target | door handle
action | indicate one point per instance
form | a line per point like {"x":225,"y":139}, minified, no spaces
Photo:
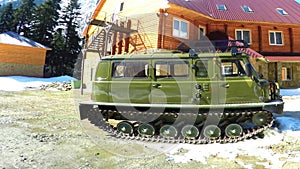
{"x":225,"y":85}
{"x":156,"y":86}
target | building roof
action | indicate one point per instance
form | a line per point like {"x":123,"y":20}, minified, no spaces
{"x":262,"y":10}
{"x":283,"y":58}
{"x":13,"y":38}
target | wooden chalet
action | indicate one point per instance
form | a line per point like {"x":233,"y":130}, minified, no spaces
{"x":271,"y":28}
{"x":20,"y":56}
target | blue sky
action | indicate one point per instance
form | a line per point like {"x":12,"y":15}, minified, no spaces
{"x":298,"y":1}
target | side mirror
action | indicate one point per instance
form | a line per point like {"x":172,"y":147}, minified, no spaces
{"x":194,"y":67}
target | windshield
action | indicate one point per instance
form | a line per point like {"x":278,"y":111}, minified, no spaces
{"x":233,"y":67}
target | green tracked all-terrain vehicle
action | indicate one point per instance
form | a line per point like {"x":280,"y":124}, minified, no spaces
{"x":193,"y":97}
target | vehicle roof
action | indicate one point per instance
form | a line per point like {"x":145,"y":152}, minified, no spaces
{"x":171,"y":55}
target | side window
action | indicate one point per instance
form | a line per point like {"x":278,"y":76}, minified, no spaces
{"x":130,"y":69}
{"x":233,"y":68}
{"x":171,"y":69}
{"x":118,"y":69}
{"x":181,"y":70}
{"x":201,"y":70}
{"x":162,"y":70}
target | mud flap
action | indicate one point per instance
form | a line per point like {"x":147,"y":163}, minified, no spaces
{"x":278,"y":109}
{"x":84,"y":110}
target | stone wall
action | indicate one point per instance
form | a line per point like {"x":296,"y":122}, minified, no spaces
{"x":12,"y":69}
{"x":271,"y":69}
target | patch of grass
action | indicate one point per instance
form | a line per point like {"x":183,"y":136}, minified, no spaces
{"x":38,"y":130}
{"x":252,"y":160}
{"x":33,"y":120}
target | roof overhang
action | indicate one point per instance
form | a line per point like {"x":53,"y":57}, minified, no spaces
{"x":283,"y":58}
{"x":23,"y":46}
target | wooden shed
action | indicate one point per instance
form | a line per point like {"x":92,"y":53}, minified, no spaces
{"x":20,"y":56}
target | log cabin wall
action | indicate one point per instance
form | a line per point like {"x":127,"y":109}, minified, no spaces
{"x":22,"y":60}
{"x":260,"y":35}
{"x":22,"y":55}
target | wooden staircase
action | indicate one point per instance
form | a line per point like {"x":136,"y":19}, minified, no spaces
{"x":98,"y":41}
{"x":100,"y":38}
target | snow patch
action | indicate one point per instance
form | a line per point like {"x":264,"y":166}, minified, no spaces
{"x":290,"y":92}
{"x":19,"y":83}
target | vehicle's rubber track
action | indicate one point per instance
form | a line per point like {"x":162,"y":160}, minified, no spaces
{"x":96,"y":118}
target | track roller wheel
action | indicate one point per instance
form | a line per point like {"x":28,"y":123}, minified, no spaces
{"x":189,"y":131}
{"x":168,"y":131}
{"x":125,"y":127}
{"x":233,"y":130}
{"x":259,"y":119}
{"x":146,"y":130}
{"x":212,"y":131}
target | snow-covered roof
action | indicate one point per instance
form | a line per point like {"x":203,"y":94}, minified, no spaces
{"x":16,"y":39}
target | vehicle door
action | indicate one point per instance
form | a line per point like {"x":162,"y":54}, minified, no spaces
{"x":131,"y":82}
{"x":205,"y":86}
{"x":238,"y":84}
{"x":172,"y":81}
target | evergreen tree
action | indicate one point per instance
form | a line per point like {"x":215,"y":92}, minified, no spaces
{"x":55,"y":56}
{"x":6,"y":18}
{"x":24,"y":16}
{"x":45,"y":21}
{"x":72,"y":46}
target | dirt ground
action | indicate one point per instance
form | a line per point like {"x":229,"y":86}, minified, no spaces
{"x":42,"y":129}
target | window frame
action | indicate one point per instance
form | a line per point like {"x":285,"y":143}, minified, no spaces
{"x":221,"y":7}
{"x":242,"y":35}
{"x":122,"y":6}
{"x":201,"y":34}
{"x":288,"y":72}
{"x":282,"y":12}
{"x":249,"y":10}
{"x":236,"y":67}
{"x":171,"y":69}
{"x":275,"y":37}
{"x":124,"y":74}
{"x":180,"y":32}
{"x":202,"y":72}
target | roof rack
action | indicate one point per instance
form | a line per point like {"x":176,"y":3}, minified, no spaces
{"x":217,"y":46}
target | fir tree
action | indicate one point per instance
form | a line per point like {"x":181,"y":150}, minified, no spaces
{"x":72,"y":46}
{"x":24,"y":16}
{"x":6,"y":18}
{"x":54,"y":57}
{"x":45,"y":21}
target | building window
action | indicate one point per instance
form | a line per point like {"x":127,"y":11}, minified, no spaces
{"x":247,"y":9}
{"x":180,"y":29}
{"x":281,"y":11}
{"x":243,"y":35}
{"x":121,"y":6}
{"x":201,"y":32}
{"x":275,"y":38}
{"x":286,"y":73}
{"x":221,"y":7}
